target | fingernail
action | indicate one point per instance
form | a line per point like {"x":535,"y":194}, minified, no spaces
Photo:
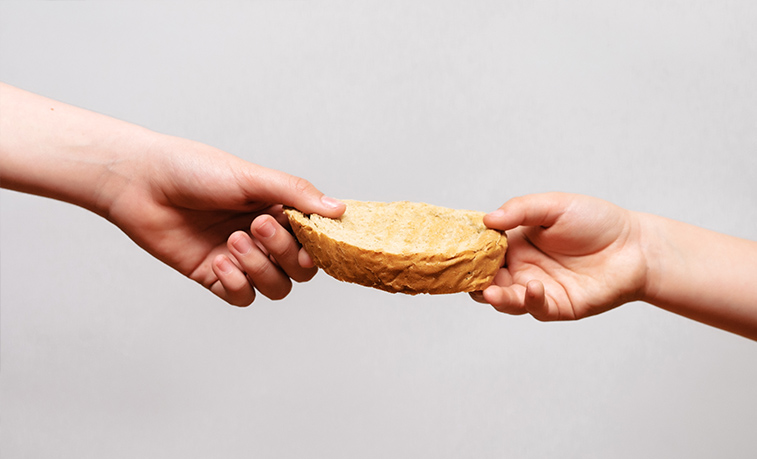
{"x":242,"y":244}
{"x":266,"y":230}
{"x":499,"y":213}
{"x":331,"y":202}
{"x":224,"y":265}
{"x":304,"y":259}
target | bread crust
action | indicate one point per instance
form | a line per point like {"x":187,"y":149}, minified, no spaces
{"x":456,"y":269}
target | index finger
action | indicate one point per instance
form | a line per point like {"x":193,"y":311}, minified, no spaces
{"x":270,"y":185}
{"x":283,"y":247}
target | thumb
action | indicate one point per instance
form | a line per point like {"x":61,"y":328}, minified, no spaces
{"x":531,"y":210}
{"x":276,"y":187}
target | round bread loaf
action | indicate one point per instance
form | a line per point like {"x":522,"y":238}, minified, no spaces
{"x":403,"y":247}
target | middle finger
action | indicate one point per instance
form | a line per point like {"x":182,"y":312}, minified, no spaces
{"x":282,"y":246}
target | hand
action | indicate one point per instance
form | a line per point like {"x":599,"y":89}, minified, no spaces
{"x":569,"y":257}
{"x":178,"y":199}
{"x":216,"y":218}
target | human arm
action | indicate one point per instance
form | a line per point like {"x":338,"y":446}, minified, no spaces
{"x":701,"y":274}
{"x":188,"y":204}
{"x":573,"y":256}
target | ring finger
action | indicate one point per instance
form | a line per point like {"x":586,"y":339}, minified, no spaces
{"x":264,"y":274}
{"x":283,"y":247}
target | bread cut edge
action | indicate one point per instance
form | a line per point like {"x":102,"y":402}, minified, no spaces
{"x":431,"y":273}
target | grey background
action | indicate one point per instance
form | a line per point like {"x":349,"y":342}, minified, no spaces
{"x":105,"y":352}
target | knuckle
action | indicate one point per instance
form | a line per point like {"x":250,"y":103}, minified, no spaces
{"x":285,"y":250}
{"x":300,"y":185}
{"x":257,"y":267}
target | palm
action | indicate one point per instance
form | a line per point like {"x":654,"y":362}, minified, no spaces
{"x":579,"y":285}
{"x":188,"y":240}
{"x":183,"y":238}
{"x":587,"y":260}
{"x":186,"y":219}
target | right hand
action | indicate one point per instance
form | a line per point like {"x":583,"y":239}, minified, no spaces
{"x":568,"y":257}
{"x":218,"y":219}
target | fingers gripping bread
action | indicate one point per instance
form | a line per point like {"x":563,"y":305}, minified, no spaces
{"x":403,"y":247}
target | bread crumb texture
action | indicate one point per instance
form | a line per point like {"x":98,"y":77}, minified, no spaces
{"x":403,"y":247}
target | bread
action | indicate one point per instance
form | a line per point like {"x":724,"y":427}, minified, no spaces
{"x":403,"y":247}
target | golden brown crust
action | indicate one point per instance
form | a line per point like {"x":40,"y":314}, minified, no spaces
{"x":464,"y":268}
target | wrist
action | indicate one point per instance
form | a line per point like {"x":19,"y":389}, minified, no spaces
{"x":652,"y":253}
{"x":121,"y":156}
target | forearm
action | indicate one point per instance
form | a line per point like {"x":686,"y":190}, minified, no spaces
{"x":52,"y":149}
{"x":704,"y":275}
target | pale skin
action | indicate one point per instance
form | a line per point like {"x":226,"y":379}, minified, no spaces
{"x":217,"y":219}
{"x":208,"y":214}
{"x":574,"y":256}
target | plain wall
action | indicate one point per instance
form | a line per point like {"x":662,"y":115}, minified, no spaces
{"x":105,"y":352}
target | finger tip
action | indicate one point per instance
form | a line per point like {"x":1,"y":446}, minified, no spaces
{"x":304,"y":259}
{"x":264,"y":226}
{"x":534,"y":289}
{"x":477,"y":296}
{"x":492,"y":295}
{"x":496,"y":214}
{"x":236,"y":236}
{"x":535,"y":300}
{"x":497,"y":219}
{"x":281,"y":294}
{"x":222,"y":263}
{"x":332,"y":207}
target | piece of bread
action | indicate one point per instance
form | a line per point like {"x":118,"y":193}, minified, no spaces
{"x":403,"y":247}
